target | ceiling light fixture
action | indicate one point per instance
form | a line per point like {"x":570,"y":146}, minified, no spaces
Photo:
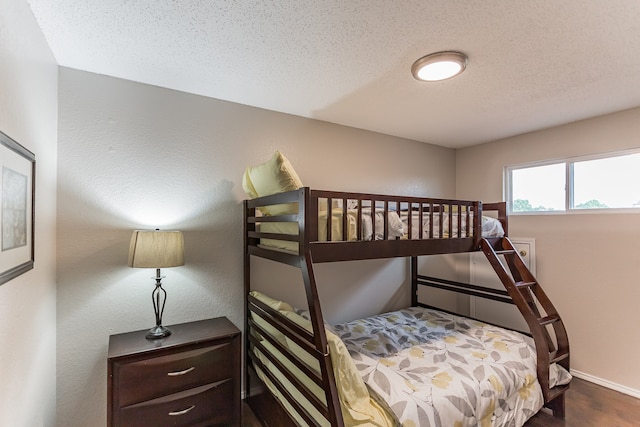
{"x":439,"y":66}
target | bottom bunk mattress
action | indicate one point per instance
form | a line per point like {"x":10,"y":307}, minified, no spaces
{"x":437,"y":369}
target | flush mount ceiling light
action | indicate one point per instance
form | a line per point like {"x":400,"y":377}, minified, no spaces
{"x":439,"y":66}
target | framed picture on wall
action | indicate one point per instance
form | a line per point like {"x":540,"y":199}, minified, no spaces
{"x":17,"y":188}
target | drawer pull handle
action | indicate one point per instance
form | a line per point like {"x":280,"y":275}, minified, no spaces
{"x":178,"y":373}
{"x":184,"y":411}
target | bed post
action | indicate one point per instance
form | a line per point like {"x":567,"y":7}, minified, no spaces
{"x":414,"y":281}
{"x":477,"y":225}
{"x":247,"y":288}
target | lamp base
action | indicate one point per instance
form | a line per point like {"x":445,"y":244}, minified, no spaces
{"x":157,"y":332}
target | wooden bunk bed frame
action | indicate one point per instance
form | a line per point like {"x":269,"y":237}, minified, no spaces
{"x":522,"y":289}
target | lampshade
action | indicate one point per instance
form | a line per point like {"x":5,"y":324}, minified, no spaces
{"x":156,"y":249}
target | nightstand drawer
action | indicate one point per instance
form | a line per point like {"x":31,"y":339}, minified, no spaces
{"x":160,"y":376}
{"x":205,"y":405}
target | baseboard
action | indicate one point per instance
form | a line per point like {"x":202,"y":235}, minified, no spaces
{"x":605,"y":383}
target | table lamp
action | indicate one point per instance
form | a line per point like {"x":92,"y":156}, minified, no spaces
{"x":157,"y":249}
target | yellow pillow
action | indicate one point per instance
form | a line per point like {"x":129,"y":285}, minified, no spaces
{"x":276,"y":175}
{"x":358,"y":407}
{"x":276,"y":305}
{"x":273,"y":303}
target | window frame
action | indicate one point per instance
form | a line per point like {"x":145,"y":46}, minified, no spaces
{"x":569,"y":183}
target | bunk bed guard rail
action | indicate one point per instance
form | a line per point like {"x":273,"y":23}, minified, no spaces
{"x":336,"y":226}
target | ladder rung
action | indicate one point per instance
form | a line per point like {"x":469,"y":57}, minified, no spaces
{"x":555,"y":357}
{"x":548,"y":320}
{"x":525,"y":284}
{"x":505,"y":252}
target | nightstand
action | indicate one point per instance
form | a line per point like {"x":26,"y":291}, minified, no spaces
{"x":190,"y":378}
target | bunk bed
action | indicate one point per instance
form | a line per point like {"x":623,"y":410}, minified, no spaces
{"x":302,"y":371}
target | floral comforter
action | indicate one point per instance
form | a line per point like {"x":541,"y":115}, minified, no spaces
{"x":436,"y":369}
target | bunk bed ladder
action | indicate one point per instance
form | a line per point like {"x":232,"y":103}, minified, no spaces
{"x":539,"y":313}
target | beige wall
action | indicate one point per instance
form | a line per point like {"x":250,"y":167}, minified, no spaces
{"x":136,"y":156}
{"x":587,"y":263}
{"x":28,"y":114}
{"x":139,"y":156}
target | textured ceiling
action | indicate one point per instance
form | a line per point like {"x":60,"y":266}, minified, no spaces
{"x":532,"y":64}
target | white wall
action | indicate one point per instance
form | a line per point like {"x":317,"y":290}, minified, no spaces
{"x":587,"y":263}
{"x":136,"y":156}
{"x":28,"y":114}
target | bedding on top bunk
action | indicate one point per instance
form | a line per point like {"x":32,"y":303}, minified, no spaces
{"x":491,"y":227}
{"x":277,"y":175}
{"x":438,"y":369}
{"x":397,"y":227}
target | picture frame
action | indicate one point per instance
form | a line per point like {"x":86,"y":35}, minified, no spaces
{"x":17,"y":208}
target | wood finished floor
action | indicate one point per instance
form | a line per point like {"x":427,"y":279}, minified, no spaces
{"x":587,"y":405}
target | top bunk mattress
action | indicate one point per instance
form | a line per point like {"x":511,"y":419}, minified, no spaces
{"x":373,"y":226}
{"x":447,"y":227}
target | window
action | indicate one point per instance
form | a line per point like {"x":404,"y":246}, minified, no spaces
{"x":606,"y":182}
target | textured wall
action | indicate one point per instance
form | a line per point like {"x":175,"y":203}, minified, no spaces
{"x":586,"y":262}
{"x":136,"y":156}
{"x":28,"y":114}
